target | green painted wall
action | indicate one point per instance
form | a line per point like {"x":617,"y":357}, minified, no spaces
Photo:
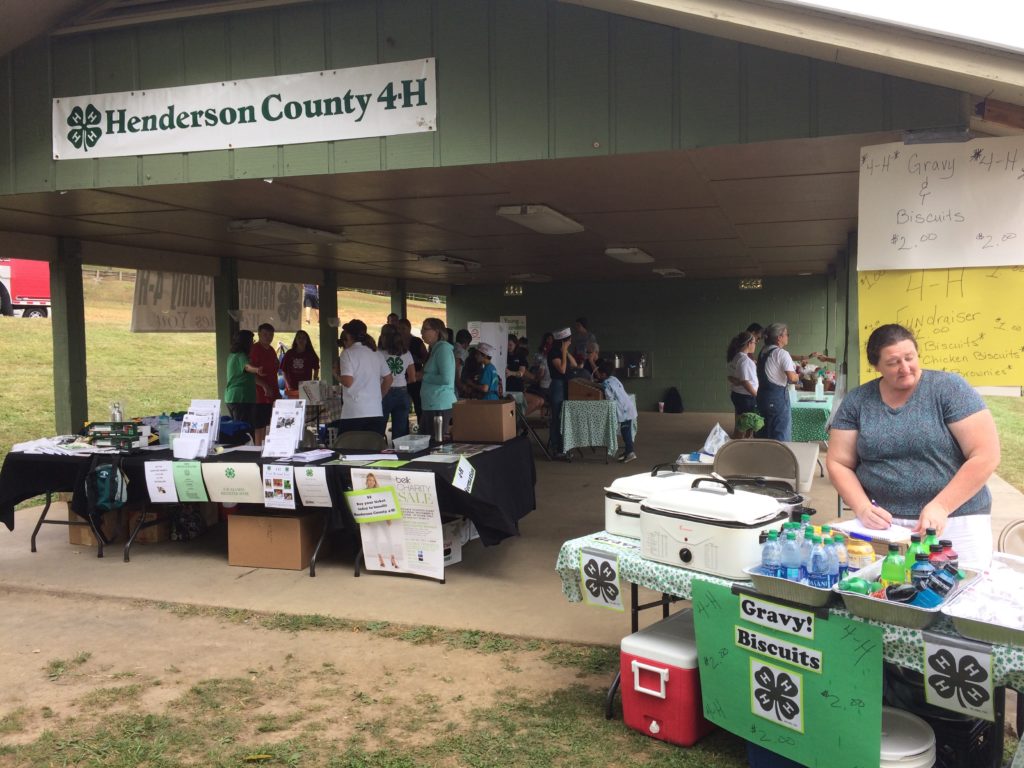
{"x":684,"y":325}
{"x":517,"y":79}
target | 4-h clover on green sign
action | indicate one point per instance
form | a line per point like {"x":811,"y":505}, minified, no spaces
{"x":85,"y":127}
{"x":229,"y":472}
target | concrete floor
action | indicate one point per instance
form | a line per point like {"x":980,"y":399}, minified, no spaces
{"x":511,"y":588}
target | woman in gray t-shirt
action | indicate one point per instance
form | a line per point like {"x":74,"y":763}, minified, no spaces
{"x":916,"y":447}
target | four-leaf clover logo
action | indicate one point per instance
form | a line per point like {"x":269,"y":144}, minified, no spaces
{"x":85,"y":127}
{"x":600,"y":581}
{"x":960,"y":680}
{"x":309,"y":472}
{"x":396,"y":365}
{"x":778,"y":693}
{"x":229,"y":473}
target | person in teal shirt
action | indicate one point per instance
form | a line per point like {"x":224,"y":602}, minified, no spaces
{"x":438,"y":391}
{"x":489,"y":384}
{"x":240,"y":390}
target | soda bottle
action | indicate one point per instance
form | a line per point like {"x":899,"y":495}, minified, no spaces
{"x":936,"y":555}
{"x":921,"y":571}
{"x":841,"y":555}
{"x":930,"y":537}
{"x":771,"y":555}
{"x":791,"y":558}
{"x":951,"y":556}
{"x":833,"y":561}
{"x":894,"y":567}
{"x":911,"y":556}
{"x":817,"y":565}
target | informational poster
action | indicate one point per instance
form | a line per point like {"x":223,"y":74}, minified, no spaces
{"x":312,"y":486}
{"x":412,"y":543}
{"x":599,"y":577}
{"x":233,"y":483}
{"x":935,"y":206}
{"x":969,"y":321}
{"x":516,"y":324}
{"x":798,"y":683}
{"x":279,"y":486}
{"x":160,"y":482}
{"x":958,"y":675}
{"x":188,"y":481}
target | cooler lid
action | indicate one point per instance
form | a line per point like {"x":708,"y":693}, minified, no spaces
{"x":904,"y":736}
{"x":645,"y":484}
{"x":715,"y":501}
{"x":669,"y":641}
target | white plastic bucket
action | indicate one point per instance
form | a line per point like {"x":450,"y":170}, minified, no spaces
{"x":907,"y":740}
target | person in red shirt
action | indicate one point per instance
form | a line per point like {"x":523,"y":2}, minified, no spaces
{"x":263,"y":356}
{"x":300,"y":363}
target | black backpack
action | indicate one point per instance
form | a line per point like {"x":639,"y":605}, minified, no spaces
{"x":673,"y":401}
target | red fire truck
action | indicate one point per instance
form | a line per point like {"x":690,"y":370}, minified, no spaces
{"x":24,"y":287}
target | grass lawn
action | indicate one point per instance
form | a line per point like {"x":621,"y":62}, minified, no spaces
{"x":146,"y":372}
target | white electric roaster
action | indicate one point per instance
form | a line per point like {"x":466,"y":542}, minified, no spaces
{"x":622,"y":498}
{"x":711,"y":527}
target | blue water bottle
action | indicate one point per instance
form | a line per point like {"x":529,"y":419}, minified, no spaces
{"x":791,"y":563}
{"x":771,"y":555}
{"x":817,"y":565}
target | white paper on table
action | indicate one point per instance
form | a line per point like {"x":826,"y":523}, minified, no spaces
{"x":438,"y":458}
{"x":367,"y":456}
{"x":279,"y":486}
{"x":160,"y":482}
{"x":896,"y":533}
{"x":279,"y":447}
{"x":253,"y":448}
{"x":230,"y":483}
{"x":315,"y":455}
{"x":465,"y":474}
{"x":188,"y":447}
{"x":312,"y":485}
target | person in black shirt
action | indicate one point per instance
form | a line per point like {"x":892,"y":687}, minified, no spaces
{"x":560,"y":363}
{"x":419,"y":353}
{"x":516,"y":368}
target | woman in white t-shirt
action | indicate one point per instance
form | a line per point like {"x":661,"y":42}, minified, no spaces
{"x":742,"y":377}
{"x":397,"y":404}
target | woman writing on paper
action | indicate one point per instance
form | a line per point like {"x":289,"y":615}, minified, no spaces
{"x":915,"y":448}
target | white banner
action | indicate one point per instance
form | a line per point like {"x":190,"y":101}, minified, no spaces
{"x":378,"y":100}
{"x":174,"y":302}
{"x":935,"y":206}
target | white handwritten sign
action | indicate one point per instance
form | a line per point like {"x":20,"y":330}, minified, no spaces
{"x":928,"y":206}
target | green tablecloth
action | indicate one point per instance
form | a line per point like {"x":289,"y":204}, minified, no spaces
{"x":589,"y":423}
{"x":810,"y":419}
{"x":902,"y":646}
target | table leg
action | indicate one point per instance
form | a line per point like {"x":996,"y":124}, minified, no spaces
{"x":609,"y":701}
{"x":320,"y":543}
{"x":42,"y":519}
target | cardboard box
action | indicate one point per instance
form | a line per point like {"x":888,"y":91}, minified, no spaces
{"x":483,"y":421}
{"x":152,"y":534}
{"x":81,"y":535}
{"x":268,"y":540}
{"x":581,"y":389}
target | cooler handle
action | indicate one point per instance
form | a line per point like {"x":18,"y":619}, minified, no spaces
{"x":715,"y":480}
{"x":659,"y":671}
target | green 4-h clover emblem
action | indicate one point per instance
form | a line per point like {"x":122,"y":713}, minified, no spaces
{"x":396,"y":365}
{"x":309,"y":472}
{"x":85,"y":127}
{"x":229,"y":473}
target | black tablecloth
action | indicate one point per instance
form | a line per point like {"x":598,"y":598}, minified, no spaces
{"x":503,"y":491}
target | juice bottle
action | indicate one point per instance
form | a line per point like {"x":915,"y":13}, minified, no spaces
{"x":930,"y":537}
{"x":894,"y":567}
{"x":912,"y":550}
{"x":921,"y":571}
{"x":860,"y":554}
{"x":936,"y":555}
{"x":951,"y":556}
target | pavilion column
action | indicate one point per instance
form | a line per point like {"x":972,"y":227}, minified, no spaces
{"x":399,"y":302}
{"x":70,"y":394}
{"x":328,"y":332}
{"x":225,"y":316}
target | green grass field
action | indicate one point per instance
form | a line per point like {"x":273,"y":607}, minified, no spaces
{"x":146,"y":372}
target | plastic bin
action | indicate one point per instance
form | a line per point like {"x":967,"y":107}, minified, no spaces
{"x":661,"y":684}
{"x":411,"y":443}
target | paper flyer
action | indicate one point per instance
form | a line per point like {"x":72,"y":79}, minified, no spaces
{"x":287,"y":421}
{"x":279,"y":486}
{"x":188,"y":481}
{"x":465,"y":474}
{"x":160,"y":482}
{"x":312,"y":485}
{"x":233,"y":483}
{"x":411,"y":544}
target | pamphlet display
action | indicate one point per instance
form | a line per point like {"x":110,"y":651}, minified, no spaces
{"x":231,"y":483}
{"x":160,"y":482}
{"x":287,"y":421}
{"x":279,"y":486}
{"x":200,"y":429}
{"x":797,"y":682}
{"x":400,"y":521}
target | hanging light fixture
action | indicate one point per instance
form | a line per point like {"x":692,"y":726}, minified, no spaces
{"x":513,"y":289}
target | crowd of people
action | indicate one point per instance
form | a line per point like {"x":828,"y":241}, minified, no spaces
{"x":396,"y":374}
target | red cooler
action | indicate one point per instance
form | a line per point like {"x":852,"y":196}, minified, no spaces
{"x":661,"y":684}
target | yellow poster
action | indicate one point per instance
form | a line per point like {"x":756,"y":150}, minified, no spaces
{"x":967,"y":320}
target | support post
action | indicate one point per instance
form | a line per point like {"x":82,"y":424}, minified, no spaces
{"x":399,"y":301}
{"x":70,"y":393}
{"x":225,"y":312}
{"x":328,"y":332}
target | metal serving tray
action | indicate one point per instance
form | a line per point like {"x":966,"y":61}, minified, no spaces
{"x":977,"y":629}
{"x":898,"y":614}
{"x":792,"y":591}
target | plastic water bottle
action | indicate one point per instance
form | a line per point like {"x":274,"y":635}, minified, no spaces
{"x":164,"y":428}
{"x":805,"y":551}
{"x":833,"y":561}
{"x":791,"y":563}
{"x":841,"y":555}
{"x":771,"y":555}
{"x":817,"y":566}
{"x":819,"y":387}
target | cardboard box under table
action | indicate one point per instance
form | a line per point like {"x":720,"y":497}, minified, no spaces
{"x":660,"y":682}
{"x":483,"y":421}
{"x":268,"y":540}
